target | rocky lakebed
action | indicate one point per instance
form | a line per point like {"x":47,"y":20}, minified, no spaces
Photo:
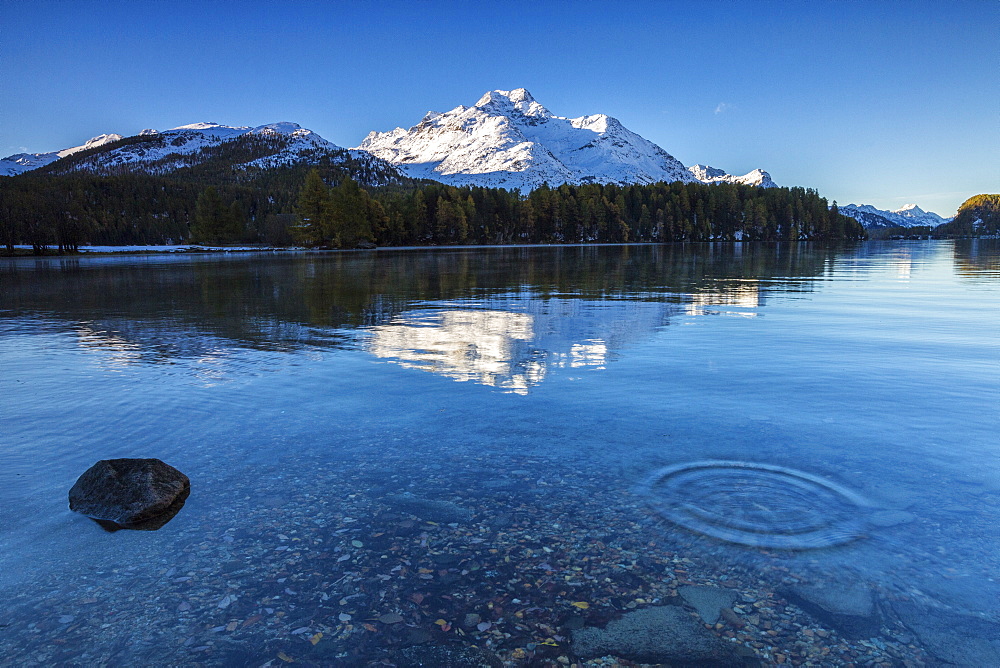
{"x":468,"y":561}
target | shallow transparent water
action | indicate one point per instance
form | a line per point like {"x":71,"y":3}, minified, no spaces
{"x":533,"y":394}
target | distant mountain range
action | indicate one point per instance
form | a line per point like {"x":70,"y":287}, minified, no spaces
{"x":507,"y":139}
{"x":909,"y":215}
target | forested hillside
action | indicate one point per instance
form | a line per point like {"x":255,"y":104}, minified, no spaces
{"x":87,"y":198}
{"x":342,"y":201}
{"x":978,"y":216}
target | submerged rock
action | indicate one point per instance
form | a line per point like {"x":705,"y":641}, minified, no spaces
{"x":445,"y":656}
{"x":434,"y":510}
{"x":664,"y":634}
{"x":708,"y":602}
{"x":130,"y":493}
{"x":849,"y":608}
{"x":962,"y":640}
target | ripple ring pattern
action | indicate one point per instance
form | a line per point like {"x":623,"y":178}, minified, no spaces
{"x":756,"y":504}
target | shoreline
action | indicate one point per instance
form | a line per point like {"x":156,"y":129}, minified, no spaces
{"x":97,"y":251}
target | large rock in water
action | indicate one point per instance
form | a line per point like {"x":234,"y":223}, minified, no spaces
{"x":848,"y":607}
{"x":129,"y":492}
{"x":953,"y":639}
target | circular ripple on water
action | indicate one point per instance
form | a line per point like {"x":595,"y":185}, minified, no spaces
{"x":756,"y":504}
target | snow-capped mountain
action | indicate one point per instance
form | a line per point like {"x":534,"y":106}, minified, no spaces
{"x":914,"y":213}
{"x":507,"y":139}
{"x":166,"y":151}
{"x":25,"y":162}
{"x":910,"y":215}
{"x":245,"y":147}
{"x":757,"y":177}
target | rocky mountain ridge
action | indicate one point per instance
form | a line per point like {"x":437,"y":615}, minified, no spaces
{"x":757,"y":177}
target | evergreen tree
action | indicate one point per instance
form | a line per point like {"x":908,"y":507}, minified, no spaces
{"x":350,"y":213}
{"x":315,"y":211}
{"x":211,"y":224}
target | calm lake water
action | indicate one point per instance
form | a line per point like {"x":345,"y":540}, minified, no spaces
{"x":402,"y":449}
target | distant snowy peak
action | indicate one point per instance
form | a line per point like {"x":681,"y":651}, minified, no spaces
{"x":915,"y":213}
{"x":508,"y":139}
{"x":706,"y":173}
{"x":757,"y":177}
{"x":909,"y":215}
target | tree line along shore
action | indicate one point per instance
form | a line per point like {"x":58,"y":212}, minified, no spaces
{"x":327,"y":207}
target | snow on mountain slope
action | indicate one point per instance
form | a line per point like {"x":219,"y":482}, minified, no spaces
{"x":757,"y":177}
{"x":909,"y":215}
{"x":172,"y":149}
{"x":25,"y":162}
{"x":509,"y":140}
{"x":160,"y":152}
{"x":919,"y":216}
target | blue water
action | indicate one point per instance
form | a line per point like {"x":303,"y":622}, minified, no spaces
{"x":307,"y":396}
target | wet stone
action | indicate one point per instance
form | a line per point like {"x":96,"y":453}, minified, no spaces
{"x":708,"y":602}
{"x":129,"y":492}
{"x":849,"y":608}
{"x":429,"y":509}
{"x":962,"y":640}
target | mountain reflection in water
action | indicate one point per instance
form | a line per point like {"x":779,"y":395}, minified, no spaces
{"x":510,"y":350}
{"x":504,"y":321}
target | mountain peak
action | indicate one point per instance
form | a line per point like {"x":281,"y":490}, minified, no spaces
{"x":282,"y":128}
{"x":757,"y":177}
{"x":101,"y":140}
{"x":503,"y":102}
{"x":508,"y":140}
{"x":704,"y":172}
{"x":93,"y":142}
{"x":204,"y":125}
{"x":910,"y":210}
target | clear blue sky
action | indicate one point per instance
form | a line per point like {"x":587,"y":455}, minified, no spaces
{"x":868,"y":102}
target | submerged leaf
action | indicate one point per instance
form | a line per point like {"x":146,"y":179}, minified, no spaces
{"x":391,"y":618}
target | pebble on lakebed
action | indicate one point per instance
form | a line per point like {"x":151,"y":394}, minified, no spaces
{"x":130,"y":493}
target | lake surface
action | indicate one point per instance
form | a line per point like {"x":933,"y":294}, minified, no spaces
{"x":404,"y":449}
